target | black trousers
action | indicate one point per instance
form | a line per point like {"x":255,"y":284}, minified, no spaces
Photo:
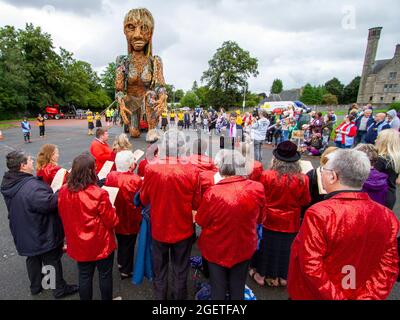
{"x":86,"y":273}
{"x":27,"y":136}
{"x":230,"y":281}
{"x":180,"y":254}
{"x":270,"y":135}
{"x":126,"y":252}
{"x":34,"y":266}
{"x":41,"y":131}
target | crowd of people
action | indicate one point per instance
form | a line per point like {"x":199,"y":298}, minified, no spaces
{"x":275,"y":224}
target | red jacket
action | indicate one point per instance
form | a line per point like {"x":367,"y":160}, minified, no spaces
{"x":257,"y":171}
{"x":343,"y":126}
{"x":129,"y":216}
{"x":89,"y":221}
{"x":349,"y":229}
{"x":48,"y":172}
{"x":228,"y":214}
{"x":284,"y":199}
{"x":170,"y":187}
{"x":102,"y":153}
{"x":141,"y":168}
{"x":206,"y":180}
{"x":203,"y":163}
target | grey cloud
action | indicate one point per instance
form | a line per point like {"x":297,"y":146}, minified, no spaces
{"x":76,"y":6}
{"x":311,"y":35}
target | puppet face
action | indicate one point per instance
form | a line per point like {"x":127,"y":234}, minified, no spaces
{"x":138,"y":34}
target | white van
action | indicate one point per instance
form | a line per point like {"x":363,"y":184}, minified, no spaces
{"x":280,"y":106}
{"x":277,"y":106}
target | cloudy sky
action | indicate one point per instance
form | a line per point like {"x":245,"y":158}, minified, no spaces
{"x":297,"y":41}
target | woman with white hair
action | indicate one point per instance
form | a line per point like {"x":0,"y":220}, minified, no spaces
{"x":388,"y":146}
{"x":128,"y":214}
{"x":228,"y":215}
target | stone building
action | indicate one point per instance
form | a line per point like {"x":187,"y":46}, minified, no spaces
{"x":380,"y":80}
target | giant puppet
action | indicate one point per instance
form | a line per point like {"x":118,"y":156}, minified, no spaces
{"x":139,"y":84}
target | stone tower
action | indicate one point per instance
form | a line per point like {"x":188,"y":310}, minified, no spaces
{"x":370,"y":56}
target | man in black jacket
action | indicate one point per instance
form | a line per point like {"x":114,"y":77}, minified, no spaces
{"x":35,"y":225}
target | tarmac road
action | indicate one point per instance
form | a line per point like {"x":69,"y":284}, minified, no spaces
{"x":70,"y":136}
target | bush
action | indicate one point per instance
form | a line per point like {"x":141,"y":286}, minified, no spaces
{"x":395,"y":106}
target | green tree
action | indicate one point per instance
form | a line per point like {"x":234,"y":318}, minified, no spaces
{"x":190,"y":99}
{"x":14,"y":82}
{"x":170,"y":89}
{"x":329,"y":99}
{"x":179,"y":95}
{"x":277,"y":86}
{"x":252,"y":100}
{"x":335,"y":87}
{"x":43,"y":65}
{"x":395,"y":106}
{"x":32,"y":74}
{"x":350,"y":92}
{"x":195,"y":86}
{"x":203,"y":94}
{"x":108,"y":80}
{"x":228,"y":72}
{"x":313,"y":95}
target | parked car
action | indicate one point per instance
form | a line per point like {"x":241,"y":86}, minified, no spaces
{"x":301,"y":105}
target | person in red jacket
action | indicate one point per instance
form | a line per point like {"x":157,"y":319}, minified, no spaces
{"x":199,"y":157}
{"x":89,"y":221}
{"x":286,"y":191}
{"x":169,"y":186}
{"x":129,"y":216}
{"x":100,"y":150}
{"x":47,"y":163}
{"x":151,"y":155}
{"x":346,"y":133}
{"x":346,"y":247}
{"x":228,"y":215}
{"x":255,"y":168}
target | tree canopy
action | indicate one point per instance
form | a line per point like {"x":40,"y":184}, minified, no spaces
{"x":33,"y":75}
{"x":227,"y":74}
{"x":190,"y":99}
{"x":277,"y":86}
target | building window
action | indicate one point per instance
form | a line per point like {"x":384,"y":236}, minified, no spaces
{"x":370,"y":98}
{"x":392,"y":76}
{"x":381,"y":99}
{"x":395,"y":88}
{"x":394,"y":99}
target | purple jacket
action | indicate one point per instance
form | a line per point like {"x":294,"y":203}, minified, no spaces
{"x":376,"y":186}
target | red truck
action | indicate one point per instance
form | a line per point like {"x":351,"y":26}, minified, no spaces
{"x":56,"y":112}
{"x":53,"y":112}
